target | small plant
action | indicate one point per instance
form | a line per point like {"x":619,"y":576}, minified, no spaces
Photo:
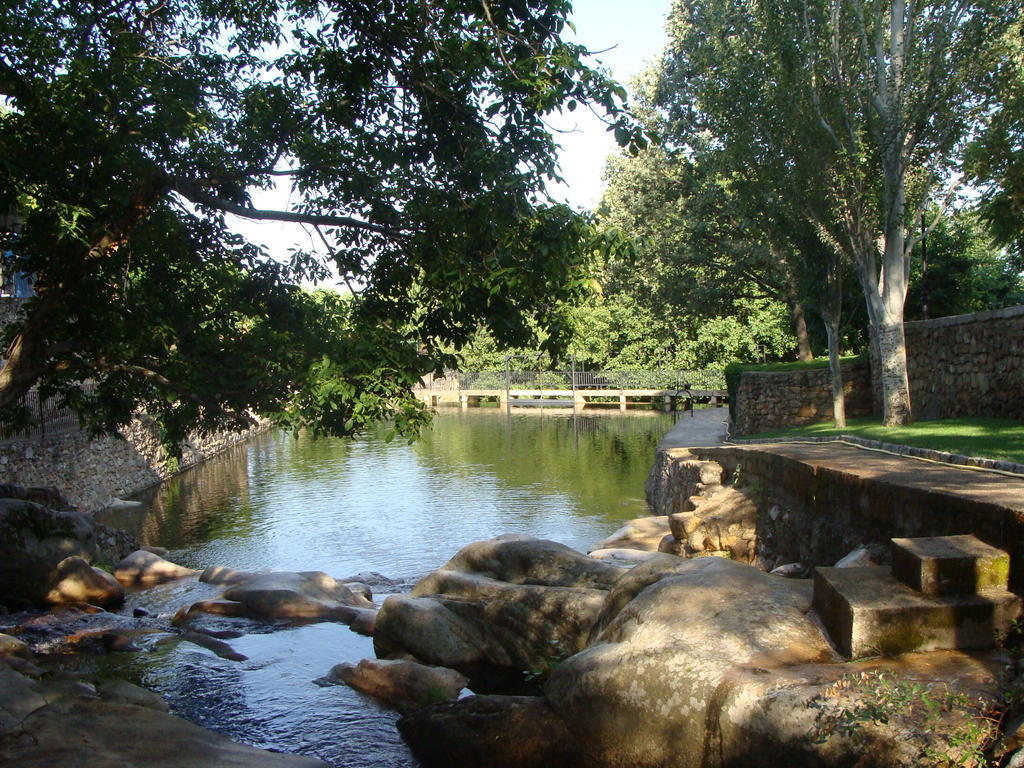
{"x":955,"y":730}
{"x":536,"y":675}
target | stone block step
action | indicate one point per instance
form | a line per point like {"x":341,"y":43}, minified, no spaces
{"x":867,"y":611}
{"x":949,"y":565}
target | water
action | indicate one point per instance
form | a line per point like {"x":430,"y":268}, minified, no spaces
{"x":349,"y":507}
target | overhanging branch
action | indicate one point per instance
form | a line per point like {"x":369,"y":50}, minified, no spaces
{"x":199,"y":196}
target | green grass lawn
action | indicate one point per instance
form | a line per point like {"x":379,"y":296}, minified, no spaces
{"x":796,"y":365}
{"x":984,"y":438}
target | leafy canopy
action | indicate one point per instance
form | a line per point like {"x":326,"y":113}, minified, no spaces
{"x":413,"y":140}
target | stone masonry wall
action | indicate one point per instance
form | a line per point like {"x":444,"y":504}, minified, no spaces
{"x":90,"y":472}
{"x":967,"y":365}
{"x":814,"y":515}
{"x":773,"y":400}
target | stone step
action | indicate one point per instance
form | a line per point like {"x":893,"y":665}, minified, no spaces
{"x":950,"y":565}
{"x":868,"y":611}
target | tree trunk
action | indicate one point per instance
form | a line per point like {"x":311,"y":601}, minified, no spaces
{"x":892,"y":350}
{"x":838,"y":396}
{"x":796,"y":309}
{"x":26,"y":357}
{"x":803,"y":340}
{"x":892,"y":346}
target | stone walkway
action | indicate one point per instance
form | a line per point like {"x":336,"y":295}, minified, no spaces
{"x":705,"y":426}
{"x":979,"y":485}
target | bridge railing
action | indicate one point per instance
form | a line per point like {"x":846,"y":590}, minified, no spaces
{"x":567,"y":379}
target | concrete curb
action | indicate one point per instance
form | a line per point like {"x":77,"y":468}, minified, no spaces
{"x":908,"y":451}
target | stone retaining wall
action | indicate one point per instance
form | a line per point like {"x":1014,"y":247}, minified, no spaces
{"x":815,"y":515}
{"x":967,"y":365}
{"x":766,"y":400}
{"x":90,"y":472}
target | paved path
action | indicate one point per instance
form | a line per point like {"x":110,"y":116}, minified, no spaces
{"x":979,"y":485}
{"x":704,"y":426}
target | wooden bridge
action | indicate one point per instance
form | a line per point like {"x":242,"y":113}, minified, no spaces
{"x":576,"y":388}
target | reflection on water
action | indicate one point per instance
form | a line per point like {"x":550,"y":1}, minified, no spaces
{"x":347,"y":507}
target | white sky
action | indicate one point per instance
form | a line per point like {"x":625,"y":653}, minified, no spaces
{"x":633,"y":35}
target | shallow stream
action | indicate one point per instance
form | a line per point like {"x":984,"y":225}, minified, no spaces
{"x":353,"y":507}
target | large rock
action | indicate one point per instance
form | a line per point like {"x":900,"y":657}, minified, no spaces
{"x":677,"y":476}
{"x":490,"y":732}
{"x":518,"y":559}
{"x":724,"y":521}
{"x":49,"y":497}
{"x":712,"y":663}
{"x":79,"y":582}
{"x":68,"y":722}
{"x":144,"y":569}
{"x":624,"y":557}
{"x":643,"y":533}
{"x":404,"y":685}
{"x":499,"y":607}
{"x":33,"y":541}
{"x":304,"y":595}
{"x":665,"y":650}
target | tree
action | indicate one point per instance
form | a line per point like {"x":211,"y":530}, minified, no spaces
{"x":699,"y":255}
{"x":897,"y":87}
{"x":996,"y":157}
{"x":961,"y":270}
{"x":412,"y":137}
{"x":860,"y":107}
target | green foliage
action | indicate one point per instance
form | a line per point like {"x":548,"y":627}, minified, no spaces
{"x":414,"y":142}
{"x":704,"y":287}
{"x":995,"y":159}
{"x":954,"y":729}
{"x":796,"y":365}
{"x":966,"y":271}
{"x":831,"y":125}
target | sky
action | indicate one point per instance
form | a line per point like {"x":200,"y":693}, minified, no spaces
{"x":629,"y":35}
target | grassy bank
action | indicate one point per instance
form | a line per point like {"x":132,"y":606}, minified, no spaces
{"x":987,"y":438}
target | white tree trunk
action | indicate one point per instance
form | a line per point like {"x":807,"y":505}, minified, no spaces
{"x":838,"y":396}
{"x":892,"y":349}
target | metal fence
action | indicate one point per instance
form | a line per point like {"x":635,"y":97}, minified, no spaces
{"x":569,"y":379}
{"x":50,"y":419}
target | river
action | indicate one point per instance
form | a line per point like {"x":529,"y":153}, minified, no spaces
{"x":347,"y":507}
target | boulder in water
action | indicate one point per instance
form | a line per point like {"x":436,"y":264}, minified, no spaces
{"x":491,"y":732}
{"x":497,"y":609}
{"x":79,"y":582}
{"x":303,"y":595}
{"x":144,"y":569}
{"x":225,"y":577}
{"x":33,"y":541}
{"x":643,"y":533}
{"x":399,"y":683}
{"x":67,"y":722}
{"x":624,"y":557}
{"x":12,"y":646}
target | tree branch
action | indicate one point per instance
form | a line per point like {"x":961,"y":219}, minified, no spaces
{"x":193,"y":193}
{"x":166,"y":384}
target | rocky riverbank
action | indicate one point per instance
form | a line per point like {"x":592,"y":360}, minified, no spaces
{"x":693,"y":655}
